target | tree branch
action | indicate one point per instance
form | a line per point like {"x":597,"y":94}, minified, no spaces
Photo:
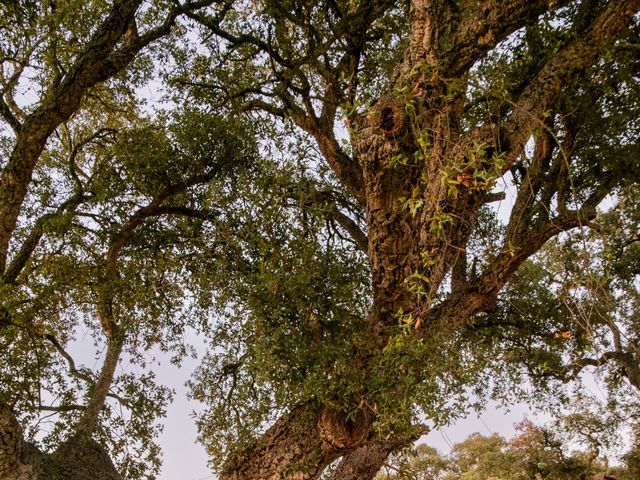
{"x":116,"y":335}
{"x":542,"y":92}
{"x":487,"y":23}
{"x":327,"y":201}
{"x":57,"y":106}
{"x":24,"y":253}
{"x":61,"y":408}
{"x":8,"y":116}
{"x":366,"y":461}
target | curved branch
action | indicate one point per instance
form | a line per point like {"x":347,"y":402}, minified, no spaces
{"x":628,"y":363}
{"x":543,"y":91}
{"x":326,"y":200}
{"x":90,"y":68}
{"x":489,"y":22}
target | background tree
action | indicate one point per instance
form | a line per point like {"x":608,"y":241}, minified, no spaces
{"x":533,"y":453}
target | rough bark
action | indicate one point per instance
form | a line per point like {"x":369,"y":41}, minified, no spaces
{"x":79,"y":458}
{"x":299,"y":446}
{"x":366,"y":461}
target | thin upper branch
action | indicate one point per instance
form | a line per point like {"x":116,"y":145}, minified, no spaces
{"x":349,"y":225}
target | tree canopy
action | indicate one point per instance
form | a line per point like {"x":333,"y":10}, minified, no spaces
{"x":534,"y":452}
{"x":376,"y":214}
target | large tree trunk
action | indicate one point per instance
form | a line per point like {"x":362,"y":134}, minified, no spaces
{"x":79,"y":458}
{"x":299,"y":446}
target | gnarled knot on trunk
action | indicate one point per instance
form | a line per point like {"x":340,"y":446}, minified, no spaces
{"x":341,"y":431}
{"x":389,"y":117}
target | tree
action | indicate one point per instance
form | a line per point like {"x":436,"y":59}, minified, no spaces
{"x":420,"y":463}
{"x":358,"y":276}
{"x":534,"y":453}
{"x":442,"y":101}
{"x":79,"y":234}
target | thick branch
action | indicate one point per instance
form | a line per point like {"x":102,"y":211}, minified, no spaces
{"x":480,"y":295}
{"x":89,"y":419}
{"x":57,"y":106}
{"x":543,"y":91}
{"x":487,"y":23}
{"x":8,"y":116}
{"x":293,"y":447}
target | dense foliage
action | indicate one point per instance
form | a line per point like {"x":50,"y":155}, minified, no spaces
{"x":377,"y":215}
